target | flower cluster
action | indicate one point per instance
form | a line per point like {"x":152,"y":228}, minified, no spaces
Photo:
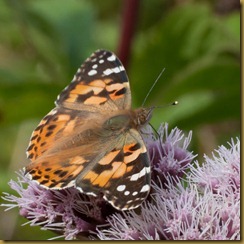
{"x":204,"y":206}
{"x":168,"y":152}
{"x":188,"y":201}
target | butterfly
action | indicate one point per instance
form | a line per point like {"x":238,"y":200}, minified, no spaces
{"x":92,"y":139}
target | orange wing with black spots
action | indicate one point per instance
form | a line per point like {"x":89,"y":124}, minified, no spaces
{"x":100,"y":84}
{"x":122,"y":174}
{"x":44,"y":135}
{"x":57,"y":124}
{"x":91,"y":140}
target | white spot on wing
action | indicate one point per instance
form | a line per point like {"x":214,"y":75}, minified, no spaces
{"x":121,"y":188}
{"x":127,"y":193}
{"x":134,"y":193}
{"x":113,"y":70}
{"x":145,"y":188}
{"x":121,"y":68}
{"x":88,"y":193}
{"x":92,"y":72}
{"x":136,"y":176}
{"x":111,"y":58}
{"x":116,"y":70}
{"x":79,"y":188}
{"x":108,"y":71}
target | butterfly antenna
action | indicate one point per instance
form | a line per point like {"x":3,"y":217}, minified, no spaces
{"x":169,"y":104}
{"x":155,"y":82}
{"x":155,"y":131}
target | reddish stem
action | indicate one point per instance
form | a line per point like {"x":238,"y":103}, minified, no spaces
{"x":129,"y":17}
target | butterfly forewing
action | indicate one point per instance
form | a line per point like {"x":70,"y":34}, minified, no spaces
{"x":90,"y":140}
{"x":57,"y":124}
{"x":101,"y":83}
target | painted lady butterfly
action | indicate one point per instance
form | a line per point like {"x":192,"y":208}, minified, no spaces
{"x":91,"y":140}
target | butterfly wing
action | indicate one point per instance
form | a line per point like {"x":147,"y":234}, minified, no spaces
{"x":58,"y":166}
{"x":100,"y":86}
{"x":122,"y":174}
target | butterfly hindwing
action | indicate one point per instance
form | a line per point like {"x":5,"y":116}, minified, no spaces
{"x":122,"y":174}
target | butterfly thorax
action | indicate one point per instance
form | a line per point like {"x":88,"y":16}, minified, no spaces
{"x":128,"y":119}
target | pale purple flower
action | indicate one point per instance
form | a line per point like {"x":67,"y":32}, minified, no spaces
{"x":219,"y":172}
{"x":168,"y":152}
{"x":67,"y":212}
{"x":188,"y":209}
{"x":187,"y":202}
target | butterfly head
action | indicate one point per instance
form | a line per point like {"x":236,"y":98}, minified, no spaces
{"x":143,"y":116}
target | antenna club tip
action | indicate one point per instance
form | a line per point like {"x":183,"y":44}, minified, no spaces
{"x":175,"y":103}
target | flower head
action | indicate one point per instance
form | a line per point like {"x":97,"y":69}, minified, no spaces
{"x":168,"y":152}
{"x":187,"y":209}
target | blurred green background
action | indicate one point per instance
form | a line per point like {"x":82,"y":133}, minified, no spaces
{"x":43,"y":42}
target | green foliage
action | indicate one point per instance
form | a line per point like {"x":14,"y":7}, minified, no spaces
{"x":42,"y":43}
{"x":201,"y":55}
